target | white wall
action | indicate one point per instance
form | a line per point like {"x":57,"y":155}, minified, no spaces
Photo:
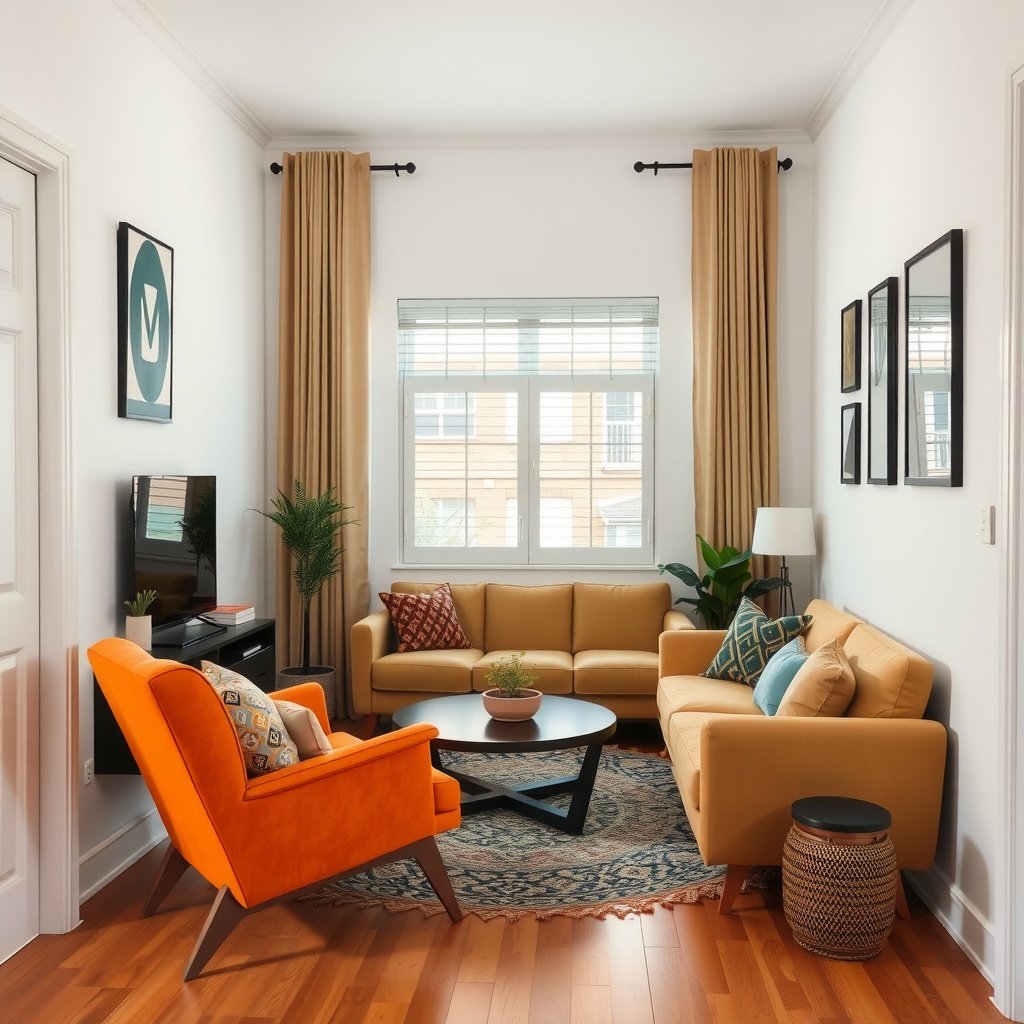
{"x":147,"y":146}
{"x":537,"y":218}
{"x":917,"y":147}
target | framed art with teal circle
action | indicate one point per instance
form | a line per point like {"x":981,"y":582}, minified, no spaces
{"x":145,"y":339}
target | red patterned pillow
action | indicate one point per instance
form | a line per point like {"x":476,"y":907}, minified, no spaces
{"x":425,"y":622}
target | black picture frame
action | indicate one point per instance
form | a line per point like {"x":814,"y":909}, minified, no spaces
{"x":883,"y":382}
{"x":145,"y":325}
{"x":849,"y":444}
{"x":933,"y":320}
{"x":849,"y":359}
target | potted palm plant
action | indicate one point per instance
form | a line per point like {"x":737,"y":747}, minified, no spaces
{"x":511,"y":698}
{"x":310,"y":530}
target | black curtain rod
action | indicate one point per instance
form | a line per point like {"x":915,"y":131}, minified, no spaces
{"x":639,"y":166}
{"x":409,"y":168}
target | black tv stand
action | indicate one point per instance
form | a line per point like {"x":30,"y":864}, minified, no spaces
{"x":185,"y":634}
{"x":247,"y":649}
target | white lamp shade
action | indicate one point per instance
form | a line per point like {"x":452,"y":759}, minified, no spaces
{"x":784,"y":531}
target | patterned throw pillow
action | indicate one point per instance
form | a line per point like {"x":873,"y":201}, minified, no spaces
{"x":778,"y":674}
{"x":752,"y":639}
{"x":425,"y":622}
{"x":266,"y":745}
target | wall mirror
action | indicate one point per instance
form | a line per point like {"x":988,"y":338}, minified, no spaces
{"x":933,"y":311}
{"x":883,"y":382}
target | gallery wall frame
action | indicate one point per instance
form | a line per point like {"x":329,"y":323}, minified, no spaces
{"x":933,"y":405}
{"x":883,"y":381}
{"x":850,"y":347}
{"x":145,"y":326}
{"x":849,"y":451}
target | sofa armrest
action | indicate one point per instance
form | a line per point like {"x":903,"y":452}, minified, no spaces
{"x":687,"y":652}
{"x":675,"y":619}
{"x":753,"y":768}
{"x":370,"y":638}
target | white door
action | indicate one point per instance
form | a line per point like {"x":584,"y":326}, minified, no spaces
{"x":19,"y":564}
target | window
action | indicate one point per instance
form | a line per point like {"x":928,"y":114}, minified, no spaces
{"x":528,"y":434}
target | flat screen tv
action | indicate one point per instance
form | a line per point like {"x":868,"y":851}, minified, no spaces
{"x":174,"y":552}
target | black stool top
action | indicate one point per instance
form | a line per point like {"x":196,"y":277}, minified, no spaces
{"x":841,"y":814}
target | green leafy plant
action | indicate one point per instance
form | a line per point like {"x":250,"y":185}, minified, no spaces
{"x":508,"y":676}
{"x":310,"y":530}
{"x":199,"y":528}
{"x":726,"y":581}
{"x":140,"y":602}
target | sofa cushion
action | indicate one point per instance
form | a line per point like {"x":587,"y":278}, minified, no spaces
{"x":425,"y":622}
{"x":683,"y":740}
{"x":553,"y":669}
{"x":623,"y":617}
{"x":892,"y":680}
{"x":618,"y":672}
{"x":778,"y":674}
{"x":426,"y":671}
{"x":469,"y":605}
{"x":822,"y":687}
{"x":751,"y":640}
{"x":827,"y":623}
{"x":695,"y":693}
{"x":529,"y":618}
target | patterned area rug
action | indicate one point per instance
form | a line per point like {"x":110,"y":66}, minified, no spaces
{"x":636,"y":850}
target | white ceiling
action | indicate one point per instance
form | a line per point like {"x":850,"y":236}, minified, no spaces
{"x":522,"y":67}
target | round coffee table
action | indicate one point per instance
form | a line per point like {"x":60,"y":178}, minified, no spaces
{"x":561,"y":724}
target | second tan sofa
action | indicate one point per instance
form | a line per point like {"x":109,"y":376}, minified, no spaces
{"x":589,"y":640}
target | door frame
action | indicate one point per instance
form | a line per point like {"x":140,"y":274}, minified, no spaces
{"x":25,"y":146}
{"x":1009,"y":894}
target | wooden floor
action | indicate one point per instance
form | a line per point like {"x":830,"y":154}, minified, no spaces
{"x":302,"y":964}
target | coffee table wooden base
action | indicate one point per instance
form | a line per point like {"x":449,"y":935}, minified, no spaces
{"x":485,"y":795}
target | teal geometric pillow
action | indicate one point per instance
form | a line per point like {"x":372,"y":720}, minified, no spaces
{"x":752,"y":639}
{"x":778,"y":674}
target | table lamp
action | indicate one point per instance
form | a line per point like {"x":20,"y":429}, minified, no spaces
{"x":784,"y":531}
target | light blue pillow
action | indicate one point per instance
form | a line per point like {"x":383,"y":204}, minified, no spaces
{"x":778,"y":674}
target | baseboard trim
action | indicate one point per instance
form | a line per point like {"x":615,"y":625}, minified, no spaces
{"x":971,"y":929}
{"x":106,"y":860}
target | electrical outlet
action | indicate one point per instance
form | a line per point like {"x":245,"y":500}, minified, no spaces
{"x":88,"y":772}
{"x":988,"y":524}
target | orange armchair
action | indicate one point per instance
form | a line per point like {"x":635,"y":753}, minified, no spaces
{"x":270,"y":838}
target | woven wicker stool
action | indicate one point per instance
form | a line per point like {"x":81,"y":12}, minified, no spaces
{"x":839,"y":877}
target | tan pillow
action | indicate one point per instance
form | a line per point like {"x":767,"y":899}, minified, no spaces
{"x":823,"y":686}
{"x":305,"y":730}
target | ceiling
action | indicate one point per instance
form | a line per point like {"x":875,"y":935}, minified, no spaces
{"x":521,"y":67}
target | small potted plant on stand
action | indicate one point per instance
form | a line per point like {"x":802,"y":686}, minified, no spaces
{"x":310,"y":527}
{"x":138,"y":626}
{"x":511,"y":698}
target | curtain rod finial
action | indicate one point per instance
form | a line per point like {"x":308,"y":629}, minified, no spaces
{"x":276,"y":168}
{"x":787,"y":163}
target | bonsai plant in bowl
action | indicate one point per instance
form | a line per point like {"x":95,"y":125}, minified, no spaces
{"x":310,"y":530}
{"x":511,"y":698}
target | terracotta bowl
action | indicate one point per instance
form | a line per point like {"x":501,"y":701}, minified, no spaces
{"x":512,"y":709}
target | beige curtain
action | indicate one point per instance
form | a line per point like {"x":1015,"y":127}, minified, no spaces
{"x":734,"y":270}
{"x":323,"y":425}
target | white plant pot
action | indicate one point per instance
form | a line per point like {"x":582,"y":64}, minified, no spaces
{"x":139,"y":629}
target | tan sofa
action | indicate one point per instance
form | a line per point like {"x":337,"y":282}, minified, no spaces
{"x":590,"y":640}
{"x":739,"y":771}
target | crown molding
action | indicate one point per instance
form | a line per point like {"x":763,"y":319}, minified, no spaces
{"x":620,"y":140}
{"x":171,"y":43}
{"x":870,"y":42}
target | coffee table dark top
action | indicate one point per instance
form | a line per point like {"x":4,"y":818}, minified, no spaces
{"x":841,"y":814}
{"x":463,"y":724}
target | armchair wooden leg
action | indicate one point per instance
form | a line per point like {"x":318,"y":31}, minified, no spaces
{"x":172,"y":868}
{"x":225,"y":913}
{"x":735,"y":876}
{"x":369,"y":727}
{"x":428,"y":856}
